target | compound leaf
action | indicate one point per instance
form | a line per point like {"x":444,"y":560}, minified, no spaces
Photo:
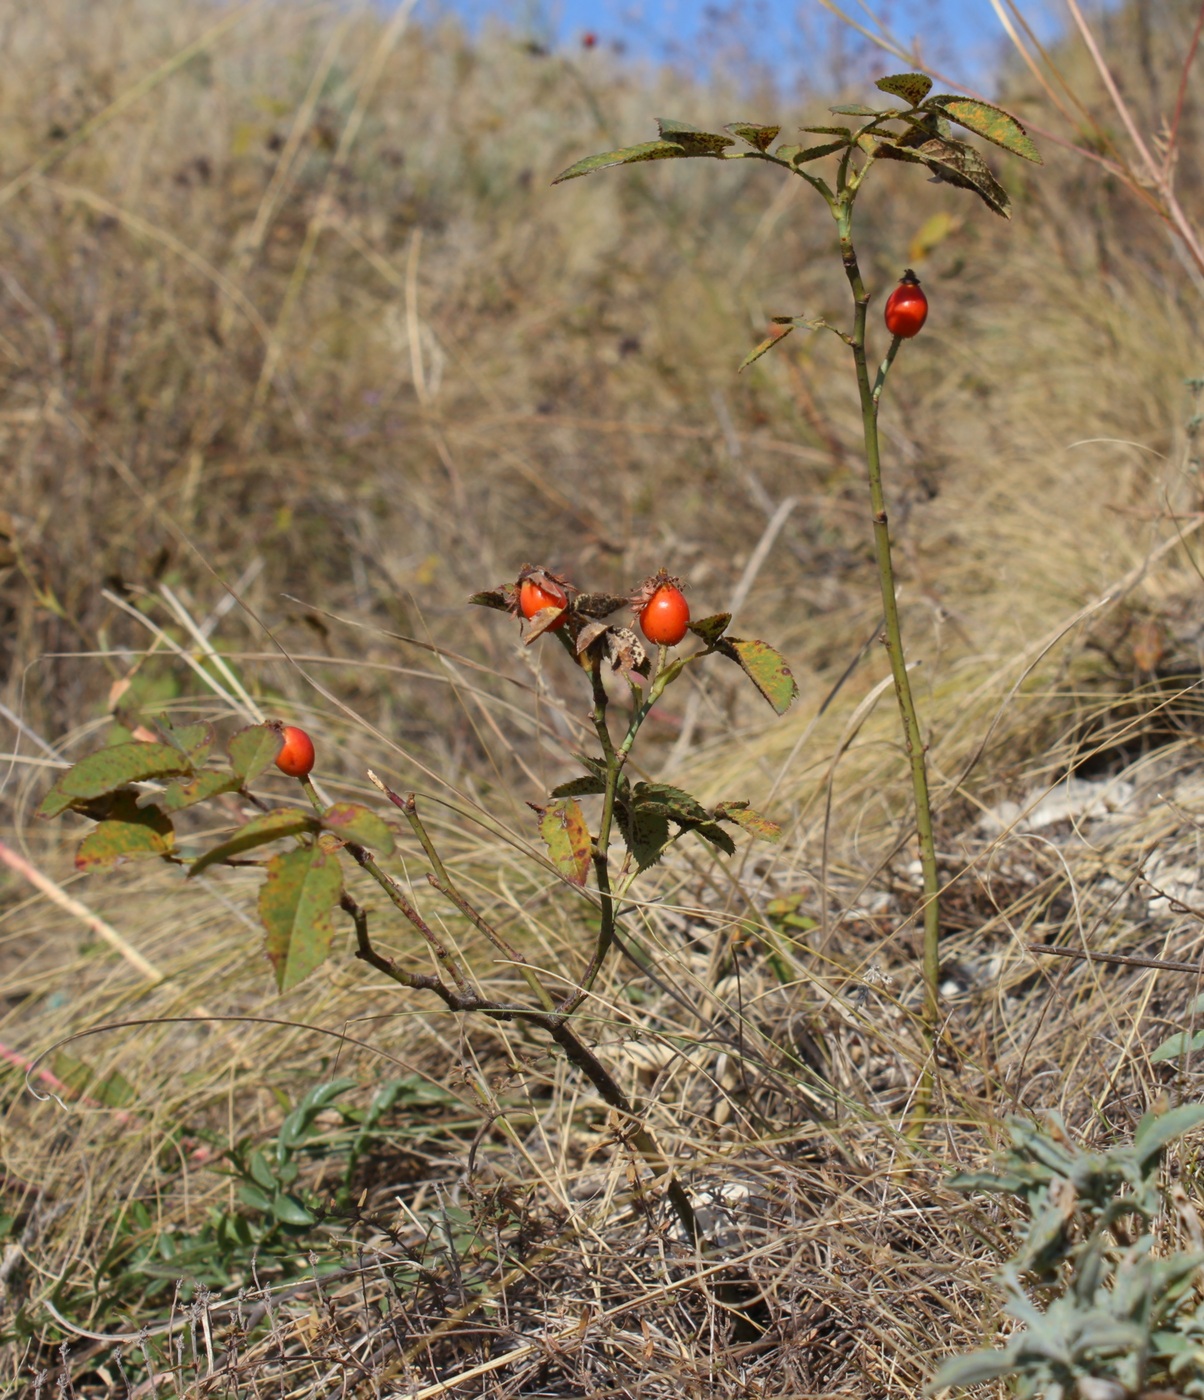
{"x":597,"y":605}
{"x":193,"y":739}
{"x":295,"y":907}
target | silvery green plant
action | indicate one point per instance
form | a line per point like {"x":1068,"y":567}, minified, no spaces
{"x":1103,"y":1312}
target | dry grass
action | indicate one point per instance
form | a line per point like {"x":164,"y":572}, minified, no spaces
{"x":298,"y":349}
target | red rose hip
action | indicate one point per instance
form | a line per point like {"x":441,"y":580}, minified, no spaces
{"x":906,"y":307}
{"x":665,"y":617}
{"x":533,"y":597}
{"x":296,"y":758}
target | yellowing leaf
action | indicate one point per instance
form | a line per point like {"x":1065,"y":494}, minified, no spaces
{"x":931,"y":234}
{"x":127,"y":833}
{"x":562,"y":825}
{"x":765,"y":667}
{"x":988,"y":121}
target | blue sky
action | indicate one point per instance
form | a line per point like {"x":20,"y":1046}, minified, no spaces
{"x":962,"y":38}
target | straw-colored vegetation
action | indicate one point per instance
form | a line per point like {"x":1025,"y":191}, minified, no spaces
{"x":298,"y":348}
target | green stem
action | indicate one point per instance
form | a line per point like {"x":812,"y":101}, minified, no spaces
{"x":601,"y":860}
{"x":912,"y":735}
{"x":616,"y":758}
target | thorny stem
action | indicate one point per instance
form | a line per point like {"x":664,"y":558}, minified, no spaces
{"x":442,"y":881}
{"x":893,"y":636}
{"x":550,"y":1020}
{"x":367,"y":861}
{"x":465,"y":998}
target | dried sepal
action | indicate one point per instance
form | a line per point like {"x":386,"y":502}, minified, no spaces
{"x":626,"y":653}
{"x":645,"y":591}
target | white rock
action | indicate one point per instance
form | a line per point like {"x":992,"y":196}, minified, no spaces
{"x":1074,"y":800}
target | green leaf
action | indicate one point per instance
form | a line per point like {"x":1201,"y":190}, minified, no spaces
{"x":856,"y":109}
{"x":913,"y":88}
{"x":1174,"y":1047}
{"x":677,"y":803}
{"x":129,"y":832}
{"x":755,"y":134}
{"x":193,"y":739}
{"x":990,"y":122}
{"x":1156,"y":1131}
{"x":253,"y":749}
{"x":710,"y":629}
{"x":645,"y":831}
{"x":351,"y":822}
{"x":1013,"y":1184}
{"x":562,"y":825}
{"x":953,"y":162}
{"x":325,"y":1094}
{"x":259,"y":1169}
{"x":627,"y":155}
{"x":257,"y":1199}
{"x":767,"y":344}
{"x":748,"y":820}
{"x":845,"y":131}
{"x":187,"y":793}
{"x":110,"y":769}
{"x":800,"y":155}
{"x":581,"y":787}
{"x":285,"y":821}
{"x":765,"y":667}
{"x":715,"y":834}
{"x":692,"y":141}
{"x":295,"y":907}
{"x":960,"y":1372}
{"x":289,"y":1210}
